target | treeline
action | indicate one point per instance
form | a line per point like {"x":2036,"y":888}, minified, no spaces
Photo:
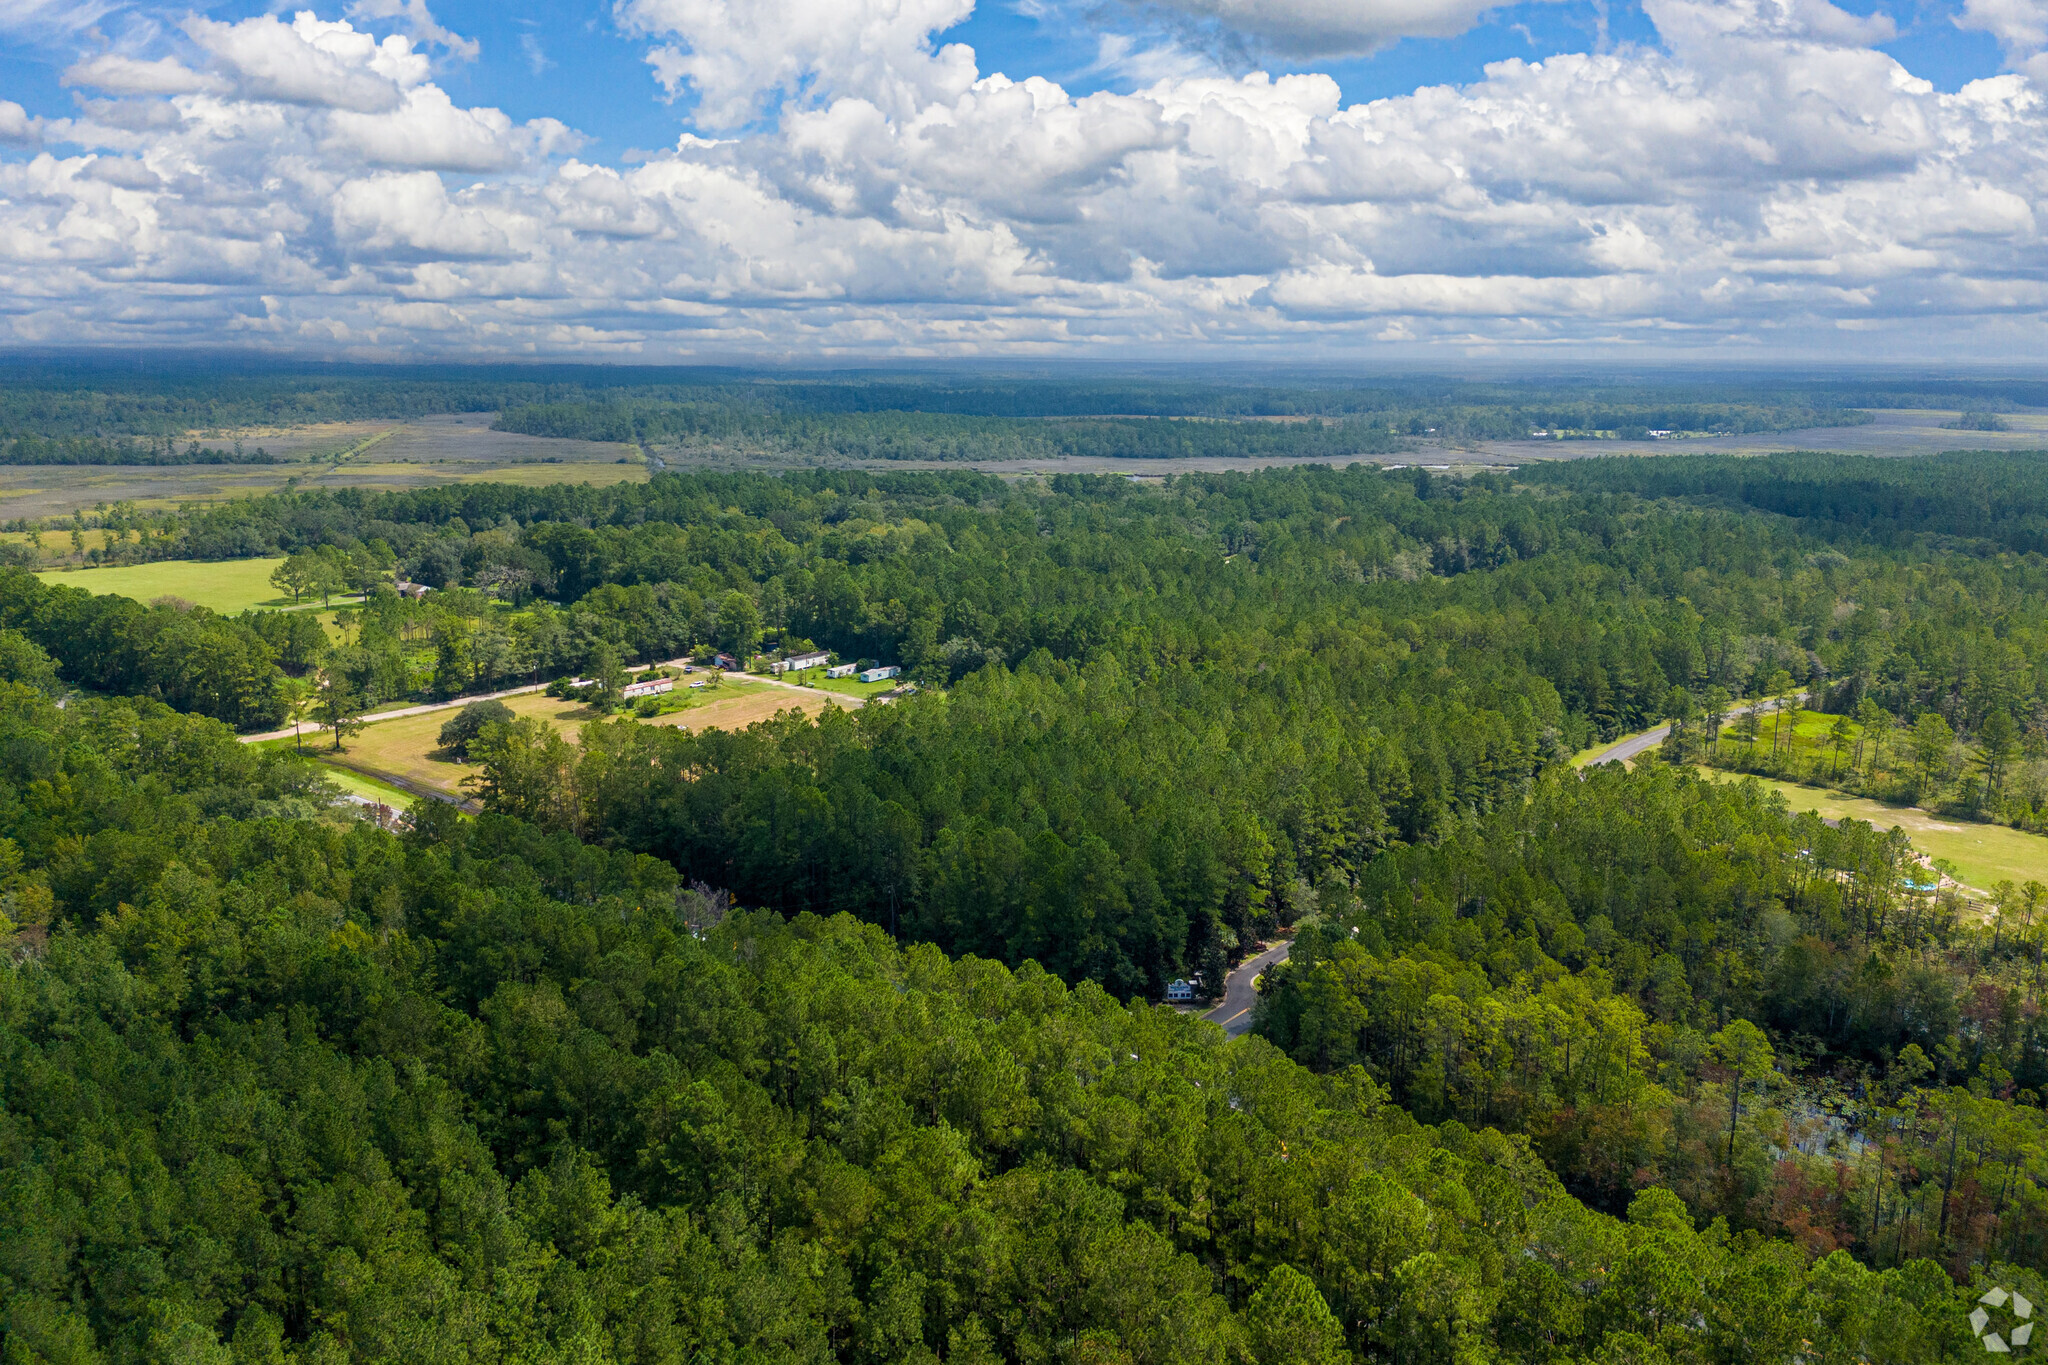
{"x":186,"y":657}
{"x":916,"y":435}
{"x":1996,"y":497}
{"x":857,"y":410}
{"x":42,"y":450}
{"x":937,"y":436}
{"x":285,"y":1089}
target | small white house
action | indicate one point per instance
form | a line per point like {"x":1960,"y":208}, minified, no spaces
{"x":1179,"y":991}
{"x":797,"y":663}
{"x":651,"y":687}
{"x":842,"y":670}
{"x":878,"y":674}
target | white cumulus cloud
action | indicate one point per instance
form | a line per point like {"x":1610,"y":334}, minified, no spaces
{"x":1765,"y":175}
{"x":737,"y":56}
{"x":1320,"y":28}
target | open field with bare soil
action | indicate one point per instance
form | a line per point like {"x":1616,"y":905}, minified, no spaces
{"x":407,"y":747}
{"x":423,"y":453}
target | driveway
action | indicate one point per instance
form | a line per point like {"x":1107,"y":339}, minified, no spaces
{"x":1239,"y":995}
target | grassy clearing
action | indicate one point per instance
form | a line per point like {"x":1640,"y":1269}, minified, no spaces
{"x":407,"y":747}
{"x":227,"y":586}
{"x":737,"y":712}
{"x":361,"y":784}
{"x":815,"y":677}
{"x":1983,"y":854}
{"x":57,"y":545}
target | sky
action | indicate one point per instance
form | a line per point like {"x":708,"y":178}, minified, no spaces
{"x":1279,"y":181}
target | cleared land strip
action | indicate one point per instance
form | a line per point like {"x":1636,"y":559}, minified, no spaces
{"x":424,"y":708}
{"x":1982,"y":854}
{"x":402,"y":747}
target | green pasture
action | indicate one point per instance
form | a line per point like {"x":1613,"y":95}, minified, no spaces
{"x":361,"y":784}
{"x":1983,"y":855}
{"x":226,"y":585}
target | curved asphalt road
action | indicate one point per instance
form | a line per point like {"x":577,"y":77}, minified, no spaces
{"x":1626,"y":750}
{"x":1235,"y":1013}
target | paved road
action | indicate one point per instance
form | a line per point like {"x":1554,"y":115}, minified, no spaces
{"x":314,"y":727}
{"x":1235,"y":1013}
{"x":1622,"y":751}
{"x":1632,"y":747}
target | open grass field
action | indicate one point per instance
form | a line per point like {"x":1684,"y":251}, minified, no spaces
{"x":737,"y":712}
{"x":361,"y":784}
{"x":1983,"y":854}
{"x":406,"y":747}
{"x":227,"y":586}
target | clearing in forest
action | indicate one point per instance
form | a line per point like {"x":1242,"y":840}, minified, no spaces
{"x":1983,"y":855}
{"x":408,"y":747}
{"x":227,"y":586}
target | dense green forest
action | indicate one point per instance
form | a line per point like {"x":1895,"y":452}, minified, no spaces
{"x":276,"y":1089}
{"x":829,"y":1039}
{"x":940,"y":436}
{"x":1989,"y":497}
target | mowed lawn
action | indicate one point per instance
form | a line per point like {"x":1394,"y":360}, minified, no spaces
{"x":406,"y":747}
{"x":851,"y":687}
{"x":226,"y":586}
{"x":1983,"y":854}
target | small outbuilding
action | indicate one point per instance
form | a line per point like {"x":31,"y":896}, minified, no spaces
{"x":1179,"y":991}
